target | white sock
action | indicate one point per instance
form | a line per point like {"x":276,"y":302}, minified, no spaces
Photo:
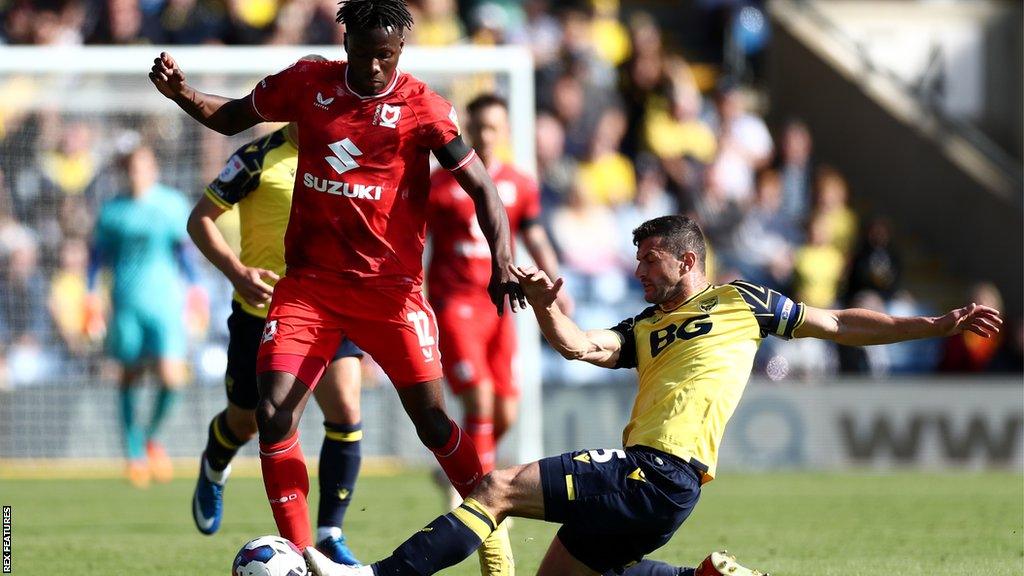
{"x":215,"y":476}
{"x":325,"y":532}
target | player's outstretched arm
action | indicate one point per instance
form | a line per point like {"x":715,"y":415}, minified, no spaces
{"x":490,"y":213}
{"x":859,"y":327}
{"x":247,"y":280}
{"x":598,"y":347}
{"x":224,"y":115}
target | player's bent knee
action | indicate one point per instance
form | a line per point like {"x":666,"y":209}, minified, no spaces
{"x":274,"y":423}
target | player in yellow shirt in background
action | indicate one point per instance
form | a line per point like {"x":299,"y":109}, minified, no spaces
{"x":693,"y":350}
{"x":258,"y":180}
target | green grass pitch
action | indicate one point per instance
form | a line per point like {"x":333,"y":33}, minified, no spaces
{"x":798,"y":524}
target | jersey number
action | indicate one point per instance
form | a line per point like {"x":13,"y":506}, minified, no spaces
{"x":421,"y":324}
{"x":344,"y":152}
{"x":606,"y":454}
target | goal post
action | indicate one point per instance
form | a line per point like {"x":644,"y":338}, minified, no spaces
{"x":107,"y":88}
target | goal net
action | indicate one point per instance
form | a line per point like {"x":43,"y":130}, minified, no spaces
{"x":64,"y":114}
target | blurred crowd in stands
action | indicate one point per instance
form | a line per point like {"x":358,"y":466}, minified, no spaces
{"x":631,"y":124}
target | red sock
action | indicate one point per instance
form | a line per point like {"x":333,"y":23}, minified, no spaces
{"x":287,"y":483}
{"x":480,"y":429}
{"x":459,"y":461}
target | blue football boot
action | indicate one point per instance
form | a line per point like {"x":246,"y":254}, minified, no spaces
{"x":208,"y":499}
{"x":335,"y":548}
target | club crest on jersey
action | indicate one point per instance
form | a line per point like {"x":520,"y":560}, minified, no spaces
{"x":709,"y":304}
{"x":322,"y":102}
{"x":387,"y":116}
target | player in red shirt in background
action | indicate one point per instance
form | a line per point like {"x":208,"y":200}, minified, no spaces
{"x":477,"y":348}
{"x":354,"y":243}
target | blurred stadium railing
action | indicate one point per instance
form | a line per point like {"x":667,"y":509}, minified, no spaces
{"x":929,"y":423}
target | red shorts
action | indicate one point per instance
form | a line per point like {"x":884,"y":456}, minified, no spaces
{"x":477,"y":345}
{"x":309,"y":316}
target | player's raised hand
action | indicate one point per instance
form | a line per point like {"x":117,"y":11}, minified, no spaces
{"x":539,"y":289}
{"x":503,"y":284}
{"x":981,"y":320}
{"x":166,"y":76}
{"x":252,"y":286}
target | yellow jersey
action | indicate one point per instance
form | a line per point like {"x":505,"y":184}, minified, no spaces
{"x":258,"y":179}
{"x":693,"y":364}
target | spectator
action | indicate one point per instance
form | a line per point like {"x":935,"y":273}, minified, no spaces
{"x":292,"y":23}
{"x":674,"y":131}
{"x":557,"y":170}
{"x":71,"y":166}
{"x":588,"y":258}
{"x":607,"y":174}
{"x":17,"y":23}
{"x":876,"y":265}
{"x":436,"y":23}
{"x":12,"y":232}
{"x":123,"y":22}
{"x":795,"y":167}
{"x":579,"y":51}
{"x":494,"y":23}
{"x":831,"y":205}
{"x":641,"y":79}
{"x":205,"y":22}
{"x":764,"y":237}
{"x":541,"y":33}
{"x":968,"y":352}
{"x":719,"y":217}
{"x":58,"y":25}
{"x":24,"y":322}
{"x":610,"y":38}
{"x":818,"y":267}
{"x":67,"y":297}
{"x":744,"y":144}
{"x":248,"y":21}
{"x":579,"y":115}
{"x":746,"y":132}
{"x":651,"y":200}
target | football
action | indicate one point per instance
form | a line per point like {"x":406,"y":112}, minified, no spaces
{"x":269,"y":556}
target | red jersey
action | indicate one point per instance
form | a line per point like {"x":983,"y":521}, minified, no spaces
{"x":363,"y":177}
{"x":461,"y":260}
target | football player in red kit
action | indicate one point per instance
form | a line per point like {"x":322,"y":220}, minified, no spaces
{"x":354,"y":243}
{"x":478,"y":347}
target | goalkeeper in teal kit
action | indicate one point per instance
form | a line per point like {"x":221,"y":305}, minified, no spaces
{"x":140,"y":238}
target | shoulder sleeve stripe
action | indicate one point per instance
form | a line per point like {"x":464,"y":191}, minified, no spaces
{"x":252,"y":100}
{"x":216,"y":199}
{"x":464,"y":162}
{"x":774,"y":312}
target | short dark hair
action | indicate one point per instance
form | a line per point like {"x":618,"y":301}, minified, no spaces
{"x":485,"y":100}
{"x":363,"y":15}
{"x":680,"y":234}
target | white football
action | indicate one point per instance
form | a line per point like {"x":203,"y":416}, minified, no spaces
{"x":269,"y":556}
